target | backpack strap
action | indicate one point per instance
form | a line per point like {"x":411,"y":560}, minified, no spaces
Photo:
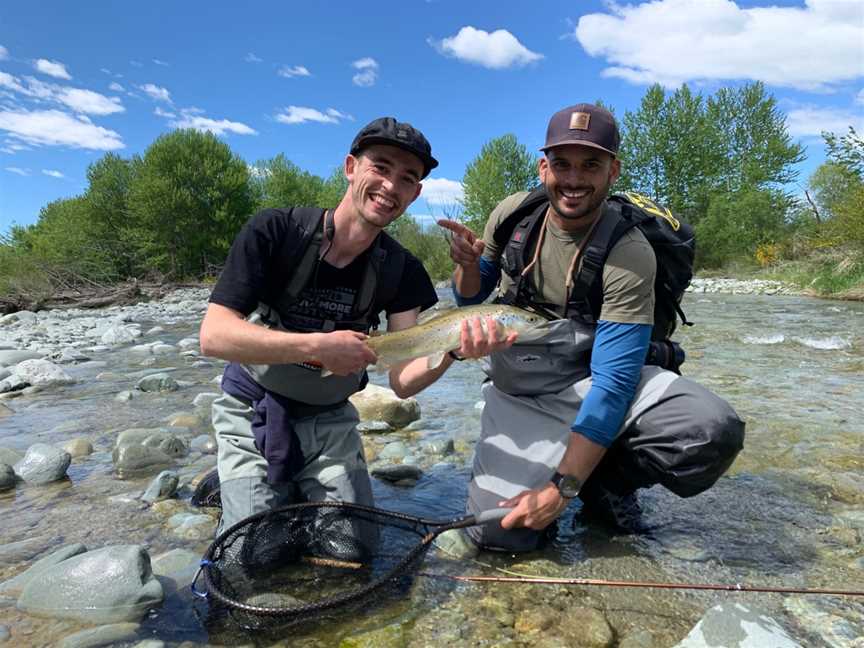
{"x":309,"y":221}
{"x":586,"y":296}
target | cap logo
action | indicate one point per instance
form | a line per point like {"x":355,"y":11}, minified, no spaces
{"x":401,"y":133}
{"x":579,"y":121}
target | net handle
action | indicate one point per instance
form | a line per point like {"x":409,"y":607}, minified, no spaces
{"x":483,"y":517}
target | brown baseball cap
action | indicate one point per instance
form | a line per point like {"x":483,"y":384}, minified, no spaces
{"x":583,"y":124}
{"x":386,"y":130}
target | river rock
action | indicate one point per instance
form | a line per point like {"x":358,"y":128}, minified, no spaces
{"x":43,"y":464}
{"x":734,"y":624}
{"x":124,"y":396}
{"x":10,"y":456}
{"x":106,"y":635}
{"x":79,"y":447}
{"x":374,"y":427}
{"x":106,"y":585}
{"x":120,"y":334}
{"x":14,"y":383}
{"x":394,"y":451}
{"x":7,"y":477}
{"x":376,"y":403}
{"x":205,"y":399}
{"x":176,"y":569}
{"x":19,"y":317}
{"x":204,"y":443}
{"x":134,"y":458}
{"x":42,"y":373}
{"x":586,"y":627}
{"x":23,"y":550}
{"x":16,"y":584}
{"x":158,"y":382}
{"x":163,"y":486}
{"x":14,"y":356}
{"x":162,"y":438}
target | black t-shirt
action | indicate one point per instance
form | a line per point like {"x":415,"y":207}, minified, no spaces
{"x":254,"y":273}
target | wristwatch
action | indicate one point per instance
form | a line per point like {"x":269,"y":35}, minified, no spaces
{"x":568,"y":485}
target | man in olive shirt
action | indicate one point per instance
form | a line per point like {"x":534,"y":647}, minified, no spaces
{"x":578,"y":413}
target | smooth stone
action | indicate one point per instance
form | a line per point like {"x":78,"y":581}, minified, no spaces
{"x":189,"y":343}
{"x":79,"y":447}
{"x":204,"y":443}
{"x":124,"y":396}
{"x":7,"y":477}
{"x":135,"y":458}
{"x":106,"y":635}
{"x":159,"y":382}
{"x":155,"y":330}
{"x":16,"y":584}
{"x":374,"y":427}
{"x":42,"y":373}
{"x":734,"y":624}
{"x":13,"y":385}
{"x":163,"y":438}
{"x":117,"y":335}
{"x":205,"y":399}
{"x":23,"y":550}
{"x":10,"y":456}
{"x":456,"y":544}
{"x":393,"y":450}
{"x":397,"y":472}
{"x":158,"y":643}
{"x":163,"y":349}
{"x":376,"y":403}
{"x":184,"y":420}
{"x":43,"y":464}
{"x":107,"y":585}
{"x":13,"y":357}
{"x":163,"y":486}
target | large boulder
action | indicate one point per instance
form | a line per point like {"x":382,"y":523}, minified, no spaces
{"x":158,"y":382}
{"x":43,"y":464}
{"x":376,"y":403}
{"x":107,"y":585}
{"x":16,"y":584}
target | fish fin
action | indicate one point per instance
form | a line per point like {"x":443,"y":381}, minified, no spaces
{"x":434,"y":361}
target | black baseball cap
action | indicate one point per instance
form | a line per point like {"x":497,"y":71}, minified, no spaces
{"x":586,"y":125}
{"x":386,"y":130}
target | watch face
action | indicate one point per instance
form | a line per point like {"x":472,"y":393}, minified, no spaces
{"x":569,"y":486}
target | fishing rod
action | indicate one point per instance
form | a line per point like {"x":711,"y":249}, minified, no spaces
{"x":737,"y":587}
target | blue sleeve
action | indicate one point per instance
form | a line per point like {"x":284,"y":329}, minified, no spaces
{"x":489,"y":275}
{"x":616,"y":364}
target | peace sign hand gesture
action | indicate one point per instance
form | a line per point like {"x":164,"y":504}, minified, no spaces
{"x":465,"y":247}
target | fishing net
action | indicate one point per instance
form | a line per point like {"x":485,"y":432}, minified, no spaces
{"x":304,"y":561}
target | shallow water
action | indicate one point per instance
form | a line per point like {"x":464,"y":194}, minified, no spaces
{"x":790,"y":512}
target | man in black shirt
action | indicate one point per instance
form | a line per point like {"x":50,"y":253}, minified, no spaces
{"x":317,"y":281}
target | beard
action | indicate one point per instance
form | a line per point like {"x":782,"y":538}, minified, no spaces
{"x":592,"y":204}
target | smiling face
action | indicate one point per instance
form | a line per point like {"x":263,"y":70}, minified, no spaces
{"x":383,"y":181}
{"x":577,"y":179}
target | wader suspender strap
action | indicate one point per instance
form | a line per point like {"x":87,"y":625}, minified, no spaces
{"x":308,"y":262}
{"x":369,"y":284}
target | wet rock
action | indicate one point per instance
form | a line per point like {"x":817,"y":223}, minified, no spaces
{"x":204,"y":443}
{"x":159,"y":382}
{"x":155,"y":330}
{"x":393,"y":451}
{"x":382,"y":404}
{"x":586,"y":627}
{"x":164,"y":439}
{"x":163,"y":486}
{"x":374,"y":427}
{"x":130,"y":459}
{"x":43,"y":464}
{"x":734,"y":624}
{"x":205,"y":399}
{"x":169,"y":507}
{"x":192,"y":526}
{"x":120,"y":334}
{"x":176,"y":569}
{"x":106,"y":585}
{"x":837,"y":624}
{"x":14,"y":383}
{"x":23,"y":550}
{"x":16,"y":584}
{"x":440,"y":447}
{"x":389,"y":636}
{"x":397,"y":472}
{"x":7,"y":477}
{"x":456,"y":544}
{"x":184,"y":420}
{"x":10,"y":456}
{"x":79,"y":447}
{"x":124,"y":396}
{"x":641,"y":639}
{"x":106,"y":635}
{"x":25,"y":317}
{"x":14,"y":356}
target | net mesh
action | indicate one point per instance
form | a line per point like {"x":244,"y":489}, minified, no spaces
{"x":305,"y":561}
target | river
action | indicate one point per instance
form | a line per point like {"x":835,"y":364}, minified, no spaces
{"x":790,"y":512}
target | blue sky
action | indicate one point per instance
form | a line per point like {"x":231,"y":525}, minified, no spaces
{"x":79,"y":79}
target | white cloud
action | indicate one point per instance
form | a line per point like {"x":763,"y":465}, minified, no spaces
{"x":162,"y":63}
{"x":367,"y":74}
{"x":51,"y":68}
{"x":87,"y":101}
{"x":11,"y":146}
{"x":163,"y":113}
{"x":18,"y":171}
{"x":859,"y":98}
{"x":294,"y":71}
{"x":251,"y":58}
{"x":78,"y":99}
{"x":193,"y":118}
{"x":497,"y":50}
{"x":53,"y":173}
{"x":4,"y":53}
{"x":116,"y":87}
{"x":137,"y":64}
{"x":157,"y":93}
{"x":301,"y":114}
{"x":441,"y":191}
{"x":56,"y":128}
{"x":674,"y":41}
{"x":810,"y":121}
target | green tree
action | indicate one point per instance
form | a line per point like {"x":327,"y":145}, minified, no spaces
{"x":831,"y":184}
{"x":430,"y":247}
{"x":332,"y":189}
{"x":190,"y":198}
{"x":282,"y":183}
{"x":847,"y":150}
{"x":503,"y":167}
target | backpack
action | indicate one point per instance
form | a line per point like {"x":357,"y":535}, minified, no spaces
{"x":299,"y":260}
{"x":672,"y":240}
